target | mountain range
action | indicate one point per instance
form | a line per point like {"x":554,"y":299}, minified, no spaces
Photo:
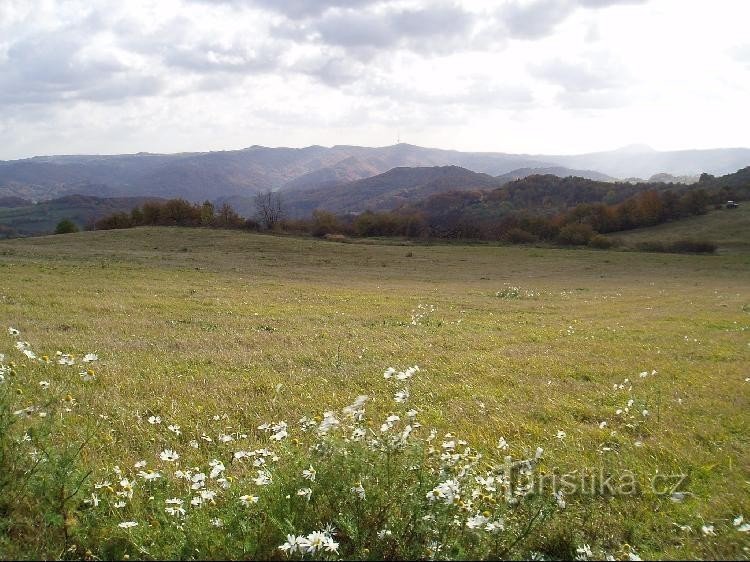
{"x":239,"y":174}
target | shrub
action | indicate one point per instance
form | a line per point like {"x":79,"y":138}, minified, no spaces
{"x":66,"y":226}
{"x":693,"y":246}
{"x":575,"y":234}
{"x":601,"y":242}
{"x":520,"y":236}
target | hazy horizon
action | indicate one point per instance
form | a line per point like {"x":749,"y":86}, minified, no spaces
{"x":645,"y":148}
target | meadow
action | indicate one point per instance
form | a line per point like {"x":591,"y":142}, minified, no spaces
{"x":628,"y":365}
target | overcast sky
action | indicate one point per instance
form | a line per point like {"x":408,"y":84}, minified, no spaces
{"x":539,"y":76}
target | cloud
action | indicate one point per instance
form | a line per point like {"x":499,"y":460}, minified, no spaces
{"x":539,"y":18}
{"x":536,"y":19}
{"x":47,"y":67}
{"x":302,"y":9}
{"x":440,"y":27}
{"x":595,"y":82}
{"x":576,"y":77}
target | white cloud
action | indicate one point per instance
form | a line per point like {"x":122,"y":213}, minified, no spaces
{"x":528,"y":76}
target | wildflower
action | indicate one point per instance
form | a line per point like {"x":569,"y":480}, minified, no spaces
{"x":175,"y":511}
{"x":174,"y":428}
{"x":305,"y":493}
{"x":309,"y":474}
{"x":560,"y":435}
{"x":355,"y":409}
{"x":329,"y":421}
{"x":225,"y":438}
{"x":197,"y":501}
{"x":741,"y":527}
{"x":331,"y":545}
{"x":477,"y":521}
{"x":401,"y":396}
{"x":87,"y":375}
{"x":539,"y":453}
{"x":584,"y":552}
{"x":120,"y":504}
{"x":447,"y":491}
{"x":358,"y":434}
{"x":263,"y":478}
{"x":216,"y":522}
{"x":44,"y":384}
{"x":128,"y":524}
{"x":389,"y":372}
{"x":315,"y":541}
{"x":153,"y":420}
{"x":89,"y":357}
{"x":359,"y":490}
{"x":150,"y":475}
{"x":389,"y":423}
{"x":13,"y":332}
{"x":292,"y":545}
{"x":65,"y":359}
{"x":140,"y":464}
{"x":208,"y":495}
{"x":247,"y":501}
{"x":645,"y":413}
{"x":169,"y":455}
{"x":382,"y":533}
{"x":217,"y":467}
{"x":280,"y":434}
{"x":30,"y":354}
{"x":708,"y":530}
{"x":494,"y":526}
{"x":502,"y":444}
{"x":198,"y":481}
{"x":602,"y":425}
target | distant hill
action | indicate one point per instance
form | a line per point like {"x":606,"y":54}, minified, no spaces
{"x":558,"y":171}
{"x":387,"y":191}
{"x":41,"y":218}
{"x":242,"y":173}
{"x":642,"y":161}
{"x":669,"y":178}
{"x":549,"y":194}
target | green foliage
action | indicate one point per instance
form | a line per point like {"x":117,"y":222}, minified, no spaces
{"x":66,"y":226}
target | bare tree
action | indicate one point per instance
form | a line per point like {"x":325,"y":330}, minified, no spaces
{"x":269,"y":208}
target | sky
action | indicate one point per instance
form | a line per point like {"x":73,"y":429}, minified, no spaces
{"x":533,"y":76}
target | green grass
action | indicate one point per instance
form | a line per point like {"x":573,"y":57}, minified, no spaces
{"x":193,"y":323}
{"x":728,"y":228}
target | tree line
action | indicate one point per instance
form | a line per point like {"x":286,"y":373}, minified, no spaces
{"x":569,"y":211}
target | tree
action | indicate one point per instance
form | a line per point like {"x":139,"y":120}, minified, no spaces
{"x":66,"y":226}
{"x":269,"y":208}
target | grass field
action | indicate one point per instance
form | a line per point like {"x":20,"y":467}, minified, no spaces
{"x":512,"y":342}
{"x":728,"y":228}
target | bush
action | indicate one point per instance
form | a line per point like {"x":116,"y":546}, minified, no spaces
{"x":693,"y":247}
{"x":601,"y":242}
{"x":520,"y":236}
{"x":66,"y":226}
{"x":575,"y":234}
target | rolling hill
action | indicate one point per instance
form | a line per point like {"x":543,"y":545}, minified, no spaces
{"x":390,"y":190}
{"x":242,"y":173}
